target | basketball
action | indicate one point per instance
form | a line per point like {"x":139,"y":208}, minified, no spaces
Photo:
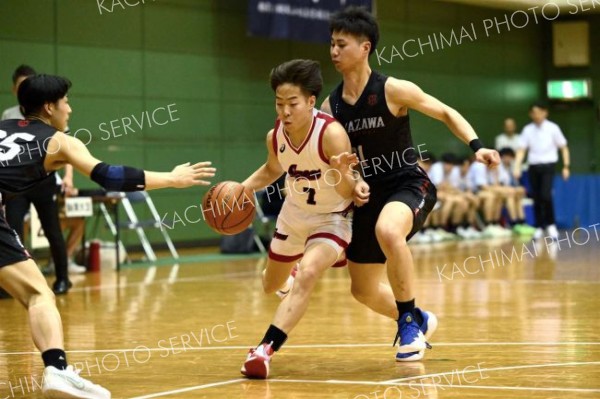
{"x":228,"y":208}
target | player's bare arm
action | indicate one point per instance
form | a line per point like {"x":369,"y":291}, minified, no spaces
{"x":566,"y":157}
{"x":336,"y":146}
{"x":519,"y":157}
{"x":403,"y":95}
{"x":269,"y":172}
{"x":361,"y":188}
{"x":64,"y":149}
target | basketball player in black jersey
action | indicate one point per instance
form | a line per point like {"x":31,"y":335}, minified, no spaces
{"x":396,"y":195}
{"x":30,"y":151}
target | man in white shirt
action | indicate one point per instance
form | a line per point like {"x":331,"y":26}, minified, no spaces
{"x":510,"y":137}
{"x":20,"y":74}
{"x":542,"y":139}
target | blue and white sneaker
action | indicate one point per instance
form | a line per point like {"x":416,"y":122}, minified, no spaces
{"x":413,"y":337}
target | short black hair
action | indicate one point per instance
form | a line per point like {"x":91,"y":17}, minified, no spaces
{"x":539,"y":104}
{"x":37,"y":90}
{"x":356,"y":21}
{"x":462,"y":159}
{"x":22,"y":70}
{"x":507,"y":151}
{"x":450,"y":158}
{"x":303,"y":73}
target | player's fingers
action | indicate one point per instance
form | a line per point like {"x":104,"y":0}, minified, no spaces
{"x":199,"y":165}
{"x":352,"y":158}
{"x":363,"y":196}
{"x":206,"y":170}
{"x":203,"y":175}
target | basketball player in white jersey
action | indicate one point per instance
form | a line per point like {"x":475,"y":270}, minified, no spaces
{"x":314,"y":150}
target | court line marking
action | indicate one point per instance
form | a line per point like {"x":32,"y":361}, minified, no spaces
{"x":308,"y":346}
{"x":374,"y":383}
{"x":526,"y":366}
{"x":197,"y":387}
{"x":399,"y":383}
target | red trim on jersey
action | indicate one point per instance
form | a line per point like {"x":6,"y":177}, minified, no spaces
{"x":341,"y":263}
{"x":306,"y":139}
{"x":331,"y":237}
{"x":328,"y":120}
{"x":283,"y":258}
{"x":277,"y":124}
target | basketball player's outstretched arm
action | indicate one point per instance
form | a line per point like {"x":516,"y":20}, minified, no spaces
{"x":336,"y":146}
{"x":269,"y":172}
{"x":361,"y":188}
{"x":402,"y":93}
{"x":64,"y":149}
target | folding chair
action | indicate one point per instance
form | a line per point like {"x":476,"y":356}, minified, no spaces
{"x":133,"y":222}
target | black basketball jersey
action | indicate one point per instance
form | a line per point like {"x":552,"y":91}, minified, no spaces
{"x":23,"y":148}
{"x":381,"y":140}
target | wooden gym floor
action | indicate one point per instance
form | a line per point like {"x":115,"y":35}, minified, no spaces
{"x":525,"y":328}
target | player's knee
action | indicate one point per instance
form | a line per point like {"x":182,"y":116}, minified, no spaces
{"x":269,"y":287}
{"x":390,"y":235}
{"x":306,"y":279}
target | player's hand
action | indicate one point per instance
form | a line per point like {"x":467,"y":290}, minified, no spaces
{"x":489,"y":157}
{"x":361,"y":193}
{"x":67,"y":184}
{"x":343,"y":162}
{"x":187,"y":175}
{"x":566,"y":173}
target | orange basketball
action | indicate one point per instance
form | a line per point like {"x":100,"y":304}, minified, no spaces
{"x":228,"y":208}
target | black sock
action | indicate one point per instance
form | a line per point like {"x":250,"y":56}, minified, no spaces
{"x":404,"y":307}
{"x":409,"y":306}
{"x":56,"y":358}
{"x":465,"y":225}
{"x":520,"y":221}
{"x":276,"y":336}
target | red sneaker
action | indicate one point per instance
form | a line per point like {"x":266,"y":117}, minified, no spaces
{"x":257,"y":362}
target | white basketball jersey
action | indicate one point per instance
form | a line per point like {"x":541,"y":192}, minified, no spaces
{"x":310,"y":181}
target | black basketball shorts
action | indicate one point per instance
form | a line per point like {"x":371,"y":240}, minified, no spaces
{"x":11,"y":248}
{"x":410,"y":186}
